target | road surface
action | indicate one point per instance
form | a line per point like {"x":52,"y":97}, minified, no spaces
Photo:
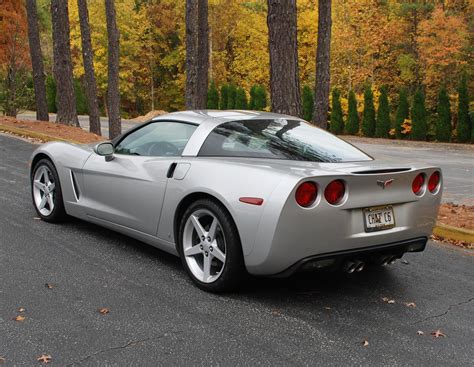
{"x":157,"y":317}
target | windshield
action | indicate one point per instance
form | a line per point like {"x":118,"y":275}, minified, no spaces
{"x":278,"y":139}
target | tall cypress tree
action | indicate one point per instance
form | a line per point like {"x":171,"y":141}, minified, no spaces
{"x":212,"y":97}
{"x":403,"y":112}
{"x":443,"y":119}
{"x":253,"y":95}
{"x":308,"y":103}
{"x":463,"y":128}
{"x":224,"y":97}
{"x":368,"y":119}
{"x":241,"y":99}
{"x":382,"y":124}
{"x":260,"y":100}
{"x":337,"y":123}
{"x":231,"y":97}
{"x":418,"y":117}
{"x":352,"y":124}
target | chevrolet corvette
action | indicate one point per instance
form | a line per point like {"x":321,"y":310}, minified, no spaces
{"x":234,"y":193}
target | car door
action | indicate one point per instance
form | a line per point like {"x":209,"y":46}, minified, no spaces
{"x":129,"y":189}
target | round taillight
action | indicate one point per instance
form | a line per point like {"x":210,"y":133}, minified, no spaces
{"x":306,"y":194}
{"x":433,"y":182}
{"x":417,"y":185}
{"x":335,"y":192}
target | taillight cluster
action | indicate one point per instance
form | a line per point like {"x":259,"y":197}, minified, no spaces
{"x":307,"y":193}
{"x":418,"y":184}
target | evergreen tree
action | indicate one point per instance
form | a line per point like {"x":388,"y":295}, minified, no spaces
{"x":463,"y":128}
{"x":352,"y":124}
{"x":382,"y":124}
{"x":403,"y":112}
{"x":418,"y":117}
{"x":308,"y":103}
{"x":261,"y":98}
{"x":224,"y":97}
{"x":368,"y":118}
{"x":232,"y":92}
{"x":212,"y":97}
{"x":253,"y":96}
{"x":337,"y":123}
{"x":443,"y":120}
{"x":81,"y":100}
{"x":241,"y":99}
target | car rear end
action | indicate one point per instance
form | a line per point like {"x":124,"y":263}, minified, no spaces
{"x":346,"y":217}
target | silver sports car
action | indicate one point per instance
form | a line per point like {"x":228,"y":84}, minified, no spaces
{"x":241,"y":192}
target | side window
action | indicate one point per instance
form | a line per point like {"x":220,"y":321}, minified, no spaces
{"x":157,"y":139}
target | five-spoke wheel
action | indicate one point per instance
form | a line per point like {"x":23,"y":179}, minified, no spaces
{"x":209,"y":246}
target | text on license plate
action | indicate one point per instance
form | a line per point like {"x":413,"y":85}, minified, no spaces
{"x":379,"y":218}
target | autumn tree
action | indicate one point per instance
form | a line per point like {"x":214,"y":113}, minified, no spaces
{"x":443,"y":118}
{"x":197,"y":53}
{"x":87,"y":57}
{"x":403,"y":112}
{"x":36,"y":55}
{"x":283,"y":50}
{"x":352,"y":124}
{"x":382,"y":123}
{"x":62,"y":68}
{"x":368,"y":117}
{"x":336,"y":125}
{"x":323,"y":52}
{"x":308,"y":103}
{"x":463,"y":126}
{"x":418,"y":117}
{"x":213,"y":97}
{"x":113,"y":91}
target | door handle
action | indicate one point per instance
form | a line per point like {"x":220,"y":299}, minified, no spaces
{"x":171,"y":169}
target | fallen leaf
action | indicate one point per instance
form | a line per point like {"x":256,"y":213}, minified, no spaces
{"x":21,"y":309}
{"x":405,"y":262}
{"x":327,"y":308}
{"x":438,"y":333}
{"x":44,"y":358}
{"x":36,"y":218}
{"x":104,"y":310}
{"x":388,"y":300}
{"x":275,"y":313}
{"x":49,"y":286}
{"x":411,"y":304}
{"x":419,"y":332}
{"x":2,"y":360}
{"x":365,"y":343}
{"x":19,"y":318}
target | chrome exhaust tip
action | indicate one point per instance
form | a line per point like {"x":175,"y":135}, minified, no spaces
{"x":360,"y":266}
{"x":349,"y":267}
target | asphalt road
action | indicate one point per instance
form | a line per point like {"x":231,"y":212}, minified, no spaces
{"x":157,"y":317}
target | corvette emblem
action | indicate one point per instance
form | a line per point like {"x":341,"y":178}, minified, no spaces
{"x":384,"y":184}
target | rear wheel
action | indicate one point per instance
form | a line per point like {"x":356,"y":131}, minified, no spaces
{"x":46,"y":192}
{"x":210,"y":247}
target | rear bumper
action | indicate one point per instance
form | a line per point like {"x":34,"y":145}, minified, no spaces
{"x":365,"y":254}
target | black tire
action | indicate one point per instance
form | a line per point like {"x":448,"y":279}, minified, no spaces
{"x":58,"y":214}
{"x":233,"y":272}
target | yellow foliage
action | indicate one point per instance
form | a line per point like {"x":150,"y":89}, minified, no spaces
{"x":406,"y":127}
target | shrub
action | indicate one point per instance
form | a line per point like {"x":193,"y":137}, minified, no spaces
{"x":463,"y":127}
{"x":418,"y":117}
{"x":368,"y":118}
{"x":81,"y":101}
{"x":308,"y":103}
{"x":258,"y":98}
{"x":336,"y":125}
{"x":443,"y":118}
{"x":403,"y":112}
{"x":241,"y":99}
{"x":352,"y":123}
{"x":382,"y":124}
{"x":232,"y":92}
{"x":224,"y":97}
{"x":212,"y":97}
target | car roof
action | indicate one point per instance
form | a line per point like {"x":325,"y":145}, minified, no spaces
{"x":216,"y":117}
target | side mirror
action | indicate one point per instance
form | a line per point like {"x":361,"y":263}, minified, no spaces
{"x":105,"y":149}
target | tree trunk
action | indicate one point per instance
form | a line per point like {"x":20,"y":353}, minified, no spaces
{"x":321,"y":94}
{"x":87,"y":57}
{"x":203,"y":54}
{"x":192,"y":55}
{"x":62,"y":66}
{"x":113,"y":92}
{"x":37,"y":62}
{"x":283,"y":47}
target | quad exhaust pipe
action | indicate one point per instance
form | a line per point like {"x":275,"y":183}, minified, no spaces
{"x":387,"y":260}
{"x":352,"y":266}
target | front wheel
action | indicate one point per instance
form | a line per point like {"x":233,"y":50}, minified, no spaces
{"x":210,"y":247}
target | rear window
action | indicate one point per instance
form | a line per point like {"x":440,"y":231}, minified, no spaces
{"x":278,"y":139}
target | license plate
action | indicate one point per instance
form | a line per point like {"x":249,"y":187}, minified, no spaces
{"x":379,"y":218}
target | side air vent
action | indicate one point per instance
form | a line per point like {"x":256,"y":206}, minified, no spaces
{"x":75,"y":187}
{"x":378,"y":171}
